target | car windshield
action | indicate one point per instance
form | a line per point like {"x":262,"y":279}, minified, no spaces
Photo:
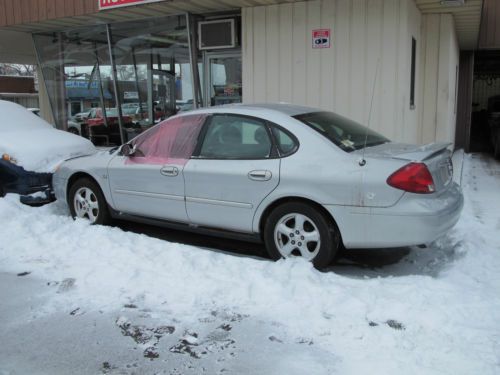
{"x":345,"y":133}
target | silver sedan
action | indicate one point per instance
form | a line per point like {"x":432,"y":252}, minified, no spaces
{"x":303,"y":181}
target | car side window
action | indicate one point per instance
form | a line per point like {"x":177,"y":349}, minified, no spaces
{"x":171,"y":141}
{"x":236,"y":137}
{"x":287,"y":144}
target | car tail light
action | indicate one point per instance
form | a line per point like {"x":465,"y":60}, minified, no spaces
{"x":414,"y":178}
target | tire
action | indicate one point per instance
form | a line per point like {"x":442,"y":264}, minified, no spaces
{"x":285,"y":236}
{"x":73,"y":130}
{"x":86,"y":201}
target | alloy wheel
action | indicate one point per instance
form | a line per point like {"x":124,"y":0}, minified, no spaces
{"x":297,"y":235}
{"x":86,"y":204}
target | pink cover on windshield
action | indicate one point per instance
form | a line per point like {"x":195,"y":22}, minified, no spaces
{"x":170,"y":142}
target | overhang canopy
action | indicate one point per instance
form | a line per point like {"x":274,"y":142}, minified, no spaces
{"x":47,"y":15}
{"x":467,"y":18}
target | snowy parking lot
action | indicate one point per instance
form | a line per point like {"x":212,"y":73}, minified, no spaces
{"x":81,"y":299}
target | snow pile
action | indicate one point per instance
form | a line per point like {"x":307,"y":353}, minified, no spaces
{"x":34,"y":143}
{"x":436,"y":311}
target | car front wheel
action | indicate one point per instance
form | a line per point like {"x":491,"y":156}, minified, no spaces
{"x":299,"y":229}
{"x":86,"y":201}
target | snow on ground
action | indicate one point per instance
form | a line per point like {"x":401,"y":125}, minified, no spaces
{"x":153,"y":306}
{"x":30,"y":140}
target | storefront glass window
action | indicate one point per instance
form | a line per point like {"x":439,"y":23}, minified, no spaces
{"x":149,"y":68}
{"x":154,"y":73}
{"x":77,"y":69}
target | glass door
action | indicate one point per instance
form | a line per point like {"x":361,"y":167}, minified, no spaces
{"x":162,"y":95}
{"x":223,"y":80}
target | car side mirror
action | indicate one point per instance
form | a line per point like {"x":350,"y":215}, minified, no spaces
{"x":127,"y":150}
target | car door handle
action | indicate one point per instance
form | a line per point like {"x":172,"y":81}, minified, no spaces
{"x":169,"y":171}
{"x":260,"y":175}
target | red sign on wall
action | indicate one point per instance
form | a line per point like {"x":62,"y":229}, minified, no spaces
{"x":108,"y":4}
{"x":321,"y":38}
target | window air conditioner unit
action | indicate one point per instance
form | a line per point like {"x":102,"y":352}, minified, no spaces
{"x":216,"y":34}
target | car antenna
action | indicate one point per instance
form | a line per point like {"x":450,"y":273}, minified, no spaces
{"x":362,"y":161}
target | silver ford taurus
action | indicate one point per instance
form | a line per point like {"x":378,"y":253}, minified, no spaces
{"x":303,"y":181}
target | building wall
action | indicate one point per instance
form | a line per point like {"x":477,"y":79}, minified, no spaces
{"x":439,"y":64}
{"x":279,"y":63}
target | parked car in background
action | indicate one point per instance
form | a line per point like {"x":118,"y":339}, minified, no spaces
{"x":303,"y":181}
{"x":30,"y":151}
{"x":494,"y":123}
{"x":101,"y":131}
{"x":96,"y":117}
{"x":82,"y":116}
{"x":74,"y":127}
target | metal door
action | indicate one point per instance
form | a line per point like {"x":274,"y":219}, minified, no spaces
{"x":161,"y":92}
{"x":148,"y":190}
{"x":231,"y":173}
{"x":222,"y":78}
{"x":226,"y":193}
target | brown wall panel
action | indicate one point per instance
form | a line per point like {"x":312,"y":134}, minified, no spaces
{"x":79,"y":7}
{"x":90,"y":6}
{"x":33,"y":5}
{"x":60,"y":8}
{"x":42,"y":9}
{"x":14,"y":12}
{"x":9,"y":10}
{"x":25,"y":10}
{"x":51,"y":9}
{"x":69,"y":8}
{"x":18,"y":14}
{"x":3,"y":17}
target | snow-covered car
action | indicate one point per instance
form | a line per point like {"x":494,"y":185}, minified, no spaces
{"x":303,"y":181}
{"x":31,"y":149}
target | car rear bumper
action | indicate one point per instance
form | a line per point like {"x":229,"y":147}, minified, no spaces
{"x":414,"y":220}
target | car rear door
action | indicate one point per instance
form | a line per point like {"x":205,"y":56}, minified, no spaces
{"x":231,"y":173}
{"x":150,"y":183}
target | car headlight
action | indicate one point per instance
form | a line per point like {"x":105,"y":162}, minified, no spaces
{"x":9,"y":158}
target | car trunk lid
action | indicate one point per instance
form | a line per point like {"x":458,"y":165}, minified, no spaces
{"x":436,"y":156}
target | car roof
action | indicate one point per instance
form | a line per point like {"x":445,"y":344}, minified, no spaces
{"x":284,"y":108}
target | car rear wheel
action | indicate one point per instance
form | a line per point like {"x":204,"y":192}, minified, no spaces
{"x":86,"y":201}
{"x":299,"y":229}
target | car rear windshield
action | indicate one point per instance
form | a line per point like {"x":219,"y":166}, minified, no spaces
{"x":345,"y":133}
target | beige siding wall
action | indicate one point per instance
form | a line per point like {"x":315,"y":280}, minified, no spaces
{"x":440,"y":59}
{"x":279,"y":63}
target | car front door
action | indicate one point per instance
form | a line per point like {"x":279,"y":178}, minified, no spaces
{"x":231,"y":173}
{"x":150,"y":183}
